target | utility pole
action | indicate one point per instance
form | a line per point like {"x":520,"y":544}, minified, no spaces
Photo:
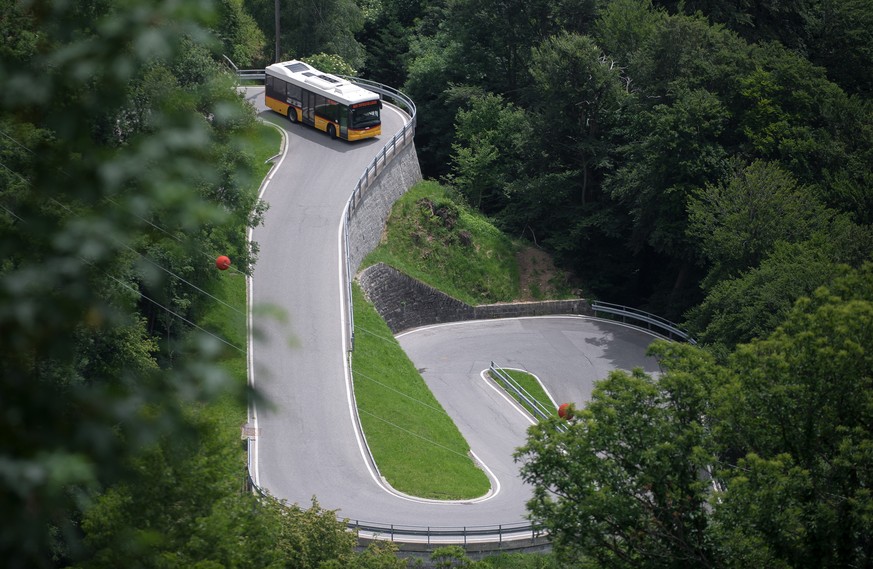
{"x":277,"y":32}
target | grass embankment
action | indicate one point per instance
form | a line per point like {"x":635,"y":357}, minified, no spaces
{"x":532,"y":386}
{"x":417,"y":447}
{"x":229,"y":324}
{"x":438,"y":241}
{"x":227,"y":319}
{"x":415,"y":443}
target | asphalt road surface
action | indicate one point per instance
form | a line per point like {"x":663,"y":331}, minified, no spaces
{"x":307,"y":444}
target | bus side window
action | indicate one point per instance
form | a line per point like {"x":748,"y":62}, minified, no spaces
{"x":321,"y":106}
{"x":294,"y":95}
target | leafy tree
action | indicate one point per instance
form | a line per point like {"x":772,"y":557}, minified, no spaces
{"x":737,"y":223}
{"x":386,"y":37}
{"x":673,"y":134}
{"x":767,"y":495}
{"x":833,"y":34}
{"x":450,"y":556}
{"x":242,"y":40}
{"x":622,"y":484}
{"x":490,"y":150}
{"x":308,"y":538}
{"x":556,"y":198}
{"x":183,"y":507}
{"x":497,"y":36}
{"x":432,"y":64}
{"x":113,"y":122}
{"x":330,"y":64}
{"x":623,"y":26}
{"x":847,"y":186}
{"x":578,"y":89}
{"x":675,"y":147}
{"x":307,"y":27}
{"x":797,"y":417}
{"x":387,"y":52}
{"x":786,"y":21}
{"x":682,"y":53}
{"x":180,"y":507}
{"x":468,"y":48}
{"x":752,"y":304}
{"x":377,"y":555}
{"x":842,"y":40}
{"x":789,"y":111}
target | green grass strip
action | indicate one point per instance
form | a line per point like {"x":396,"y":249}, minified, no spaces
{"x":229,"y":324}
{"x":529,"y":383}
{"x":262,"y":142}
{"x":415,"y":444}
{"x":226,"y":317}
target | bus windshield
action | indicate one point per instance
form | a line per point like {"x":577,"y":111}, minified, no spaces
{"x":364,"y":115}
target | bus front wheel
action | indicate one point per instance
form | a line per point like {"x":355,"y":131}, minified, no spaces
{"x":331,"y":130}
{"x":292,"y":114}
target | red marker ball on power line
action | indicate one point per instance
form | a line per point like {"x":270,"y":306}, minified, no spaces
{"x":222,"y":262}
{"x":565,"y":411}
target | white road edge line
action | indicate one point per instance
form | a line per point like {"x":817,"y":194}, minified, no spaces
{"x":579,"y":316}
{"x":366,"y":455}
{"x":539,"y":381}
{"x":508,"y":399}
{"x":350,"y":396}
{"x":254,"y":470}
{"x":536,"y":377}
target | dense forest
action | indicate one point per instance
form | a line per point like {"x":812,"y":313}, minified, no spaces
{"x":667,"y":159}
{"x":707,"y":160}
{"x":680,"y":157}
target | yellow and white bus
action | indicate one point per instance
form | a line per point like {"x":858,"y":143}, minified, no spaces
{"x":327,"y":102}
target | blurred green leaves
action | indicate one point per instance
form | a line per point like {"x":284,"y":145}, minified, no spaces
{"x":118,"y":139}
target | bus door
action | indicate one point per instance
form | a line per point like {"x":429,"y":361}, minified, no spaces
{"x":308,"y":107}
{"x":344,"y":122}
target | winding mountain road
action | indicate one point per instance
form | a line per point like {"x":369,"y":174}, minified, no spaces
{"x":307,"y":443}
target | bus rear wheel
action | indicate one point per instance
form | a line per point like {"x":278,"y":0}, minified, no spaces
{"x":292,"y":114}
{"x":331,"y":130}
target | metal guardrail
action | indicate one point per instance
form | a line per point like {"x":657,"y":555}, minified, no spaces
{"x":244,"y":74}
{"x":661,"y":325}
{"x":398,"y":141}
{"x":540,"y":412}
{"x":503,"y":532}
{"x":513,"y":386}
{"x":250,"y":74}
{"x":431,"y":534}
{"x":402,"y":137}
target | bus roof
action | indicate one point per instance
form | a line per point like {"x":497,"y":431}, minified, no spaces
{"x":304,"y":75}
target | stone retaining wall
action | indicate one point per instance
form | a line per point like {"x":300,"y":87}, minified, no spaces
{"x":371,"y":209}
{"x":404,"y":302}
